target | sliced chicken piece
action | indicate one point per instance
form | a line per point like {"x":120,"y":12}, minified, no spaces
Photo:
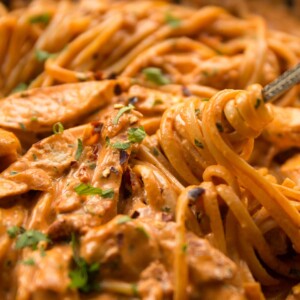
{"x":47,"y":277}
{"x":139,"y":248}
{"x":100,"y":166}
{"x":284,"y":130}
{"x":45,"y":161}
{"x":10,"y":148}
{"x":38,"y":109}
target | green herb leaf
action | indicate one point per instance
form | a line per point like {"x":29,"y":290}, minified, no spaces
{"x":82,"y":276}
{"x":13,"y":173}
{"x":109,"y":193}
{"x":198,"y":144}
{"x":172,"y":21}
{"x":30,"y":238}
{"x":135,"y":290}
{"x":155,"y":151}
{"x":42,"y":18}
{"x":121,"y":112}
{"x":124,"y":219}
{"x":87,"y":189}
{"x":13,"y":231}
{"x":205,"y":99}
{"x":29,"y":262}
{"x":58,"y":128}
{"x":22,"y":126}
{"x":20,"y":88}
{"x":92,"y":166}
{"x":34,"y":119}
{"x":143,"y":231}
{"x":136,"y":135}
{"x":34,"y":156}
{"x":184,"y":248}
{"x":42,"y":55}
{"x":79,"y":149}
{"x":157,"y":102}
{"x":156,"y":76}
{"x":120,"y":145}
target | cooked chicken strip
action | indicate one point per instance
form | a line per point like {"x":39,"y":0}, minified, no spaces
{"x":38,"y":109}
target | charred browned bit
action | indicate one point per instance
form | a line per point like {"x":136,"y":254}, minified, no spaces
{"x":280,"y":85}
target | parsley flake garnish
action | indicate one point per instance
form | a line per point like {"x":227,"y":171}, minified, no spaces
{"x":82,"y":276}
{"x":30,"y":238}
{"x":136,"y":135}
{"x":143,"y":231}
{"x":13,"y":173}
{"x":29,"y":262}
{"x":86,"y":189}
{"x":156,"y":76}
{"x":42,"y":55}
{"x":13,"y":231}
{"x":172,"y":21}
{"x":79,"y":149}
{"x":42,"y":18}
{"x":20,"y":88}
{"x":22,"y":126}
{"x":184,"y":248}
{"x":58,"y":128}
{"x":157,"y":102}
{"x":120,"y":145}
{"x":124,"y":219}
{"x":121,"y":112}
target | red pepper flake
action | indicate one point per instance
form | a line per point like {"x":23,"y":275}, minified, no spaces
{"x":117,"y":90}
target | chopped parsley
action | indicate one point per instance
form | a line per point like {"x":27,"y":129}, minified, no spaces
{"x":34,"y":119}
{"x":220,"y":127}
{"x":42,"y":55}
{"x":86,"y":189}
{"x":30,"y":238}
{"x":79,"y":149}
{"x":197,"y":111}
{"x":121,"y":112}
{"x":82,"y":276}
{"x":136,"y":135}
{"x":143,"y":231}
{"x":155,"y":151}
{"x":42,"y":18}
{"x":257,"y":103}
{"x":156,"y":76}
{"x":135,"y":290}
{"x":92,"y":166}
{"x":198,"y":144}
{"x":34,"y":156}
{"x":13,"y":173}
{"x":157,"y":102}
{"x":20,"y":87}
{"x":120,"y":145}
{"x":22,"y":126}
{"x":29,"y":262}
{"x":124,"y":219}
{"x":205,"y":99}
{"x":172,"y":21}
{"x":184,"y":248}
{"x":13,"y":231}
{"x":58,"y":128}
